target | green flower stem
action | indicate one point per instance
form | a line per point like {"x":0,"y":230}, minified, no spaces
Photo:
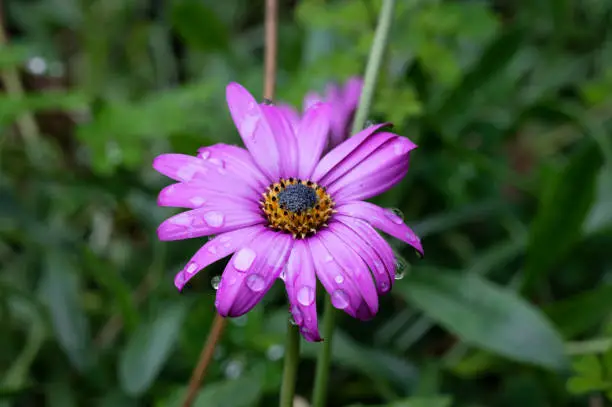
{"x":323,"y":361}
{"x":374,"y":62}
{"x":292,"y":360}
{"x":371,"y":75}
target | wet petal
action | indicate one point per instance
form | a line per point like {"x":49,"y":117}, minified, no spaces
{"x":253,"y":126}
{"x":251,"y":272}
{"x":312,"y":137}
{"x":340,"y":286}
{"x":197,"y":195}
{"x":356,"y":269}
{"x":221,"y":246}
{"x":218,"y":216}
{"x":235,"y":161}
{"x":336,"y":156}
{"x":382,"y":219}
{"x":380,"y":170}
{"x":374,"y":239}
{"x":360,"y":247}
{"x":301,"y":283}
{"x":181,"y":167}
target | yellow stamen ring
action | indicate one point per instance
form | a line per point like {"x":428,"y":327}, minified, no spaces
{"x":298,"y":207}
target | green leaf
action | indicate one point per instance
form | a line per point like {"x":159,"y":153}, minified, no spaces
{"x":59,"y":289}
{"x":241,"y":392}
{"x":487,"y":316}
{"x":149,"y":347}
{"x":564,"y":204}
{"x":600,"y":215}
{"x":434,"y":401}
{"x":574,"y":315}
{"x":198,"y":25}
{"x":588,"y":366}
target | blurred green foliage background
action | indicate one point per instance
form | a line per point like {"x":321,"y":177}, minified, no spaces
{"x":511,"y":190}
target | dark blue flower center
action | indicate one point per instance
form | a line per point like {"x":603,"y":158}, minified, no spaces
{"x":297,"y":198}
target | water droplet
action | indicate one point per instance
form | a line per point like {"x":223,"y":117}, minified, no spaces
{"x":204,"y":154}
{"x":233,"y":369}
{"x":256,"y":282}
{"x":305,"y":295}
{"x":218,"y":162}
{"x":244,"y":259}
{"x":283,"y":275}
{"x":340,"y":299}
{"x":182,"y":219}
{"x":197,"y":201}
{"x":191,"y":267}
{"x":401,"y":266}
{"x":329,"y":258}
{"x":214,"y":219}
{"x":339,"y":279}
{"x":298,"y":318}
{"x":384,"y":286}
{"x":225,"y":239}
{"x":275,"y":352}
{"x":212,"y":249}
{"x":186,"y":172}
{"x":395,"y":215}
{"x":215,"y":282}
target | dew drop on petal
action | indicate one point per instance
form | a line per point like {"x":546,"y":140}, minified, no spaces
{"x":212,"y":249}
{"x":329,"y":258}
{"x":214,"y":219}
{"x":244,"y":259}
{"x":305,"y":295}
{"x":395,"y":215}
{"x":191,"y":267}
{"x":298,"y":318}
{"x":197,"y":201}
{"x":384,"y":286}
{"x":339,"y":279}
{"x":215,"y":282}
{"x":225,"y":239}
{"x":186,"y":172}
{"x":204,"y":154}
{"x":255,"y":282}
{"x":283,"y":275}
{"x":340,"y":299}
{"x":401,"y":266}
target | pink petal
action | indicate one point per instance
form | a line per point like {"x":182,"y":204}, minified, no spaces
{"x":382,"y":219}
{"x":310,"y":99}
{"x":312,"y":137}
{"x":340,"y":286}
{"x":292,"y":116}
{"x":375,"y":173}
{"x":236,"y":161}
{"x":221,"y":246}
{"x":360,"y":247}
{"x":251,"y":272}
{"x":286,"y":142}
{"x":338,"y":154}
{"x":378,"y":244}
{"x":218,"y":216}
{"x":197,"y":195}
{"x":356,"y":269}
{"x":181,"y":167}
{"x":301,"y":283}
{"x":254,"y":129}
{"x":352,"y":92}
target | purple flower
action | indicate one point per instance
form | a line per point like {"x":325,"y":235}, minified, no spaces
{"x":343,"y":101}
{"x":283,"y":211}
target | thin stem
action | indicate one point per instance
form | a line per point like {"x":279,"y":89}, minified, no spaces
{"x":205,"y":357}
{"x":219,"y":323}
{"x":367,"y":94}
{"x":292,"y":360}
{"x":323,"y":361}
{"x":271,"y":48}
{"x":374,"y":62}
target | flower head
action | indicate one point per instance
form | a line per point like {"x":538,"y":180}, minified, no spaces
{"x":343,"y":101}
{"x":284,"y":211}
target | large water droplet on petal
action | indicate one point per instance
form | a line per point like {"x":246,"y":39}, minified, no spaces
{"x":214,"y":219}
{"x":215,"y":282}
{"x":401,"y":267}
{"x":305,"y":295}
{"x":244,"y":259}
{"x":339,"y":279}
{"x":395,"y":215}
{"x":256,"y":282}
{"x":340,"y":299}
{"x":197,"y":201}
{"x":191,"y":267}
